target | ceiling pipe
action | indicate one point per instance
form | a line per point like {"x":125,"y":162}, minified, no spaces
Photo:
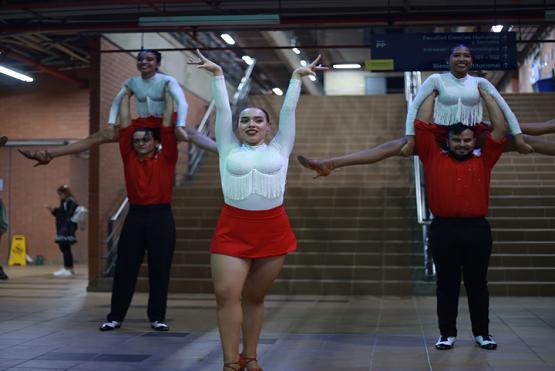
{"x":51,"y":71}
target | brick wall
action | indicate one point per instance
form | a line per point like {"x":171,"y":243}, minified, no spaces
{"x":50,"y":109}
{"x":46,"y":109}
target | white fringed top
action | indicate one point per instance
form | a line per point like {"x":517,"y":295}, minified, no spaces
{"x":253,"y":177}
{"x":149,"y":97}
{"x":458,"y":101}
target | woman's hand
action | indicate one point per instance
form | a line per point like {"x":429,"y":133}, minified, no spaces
{"x":42,"y":157}
{"x":207,"y":64}
{"x":309,"y":69}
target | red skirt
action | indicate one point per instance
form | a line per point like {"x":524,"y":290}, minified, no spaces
{"x":253,"y":234}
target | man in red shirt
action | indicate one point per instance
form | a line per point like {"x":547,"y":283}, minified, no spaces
{"x":149,"y":157}
{"x":457,"y":187}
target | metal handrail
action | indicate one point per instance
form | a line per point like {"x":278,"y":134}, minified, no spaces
{"x":196,"y":153}
{"x":115,"y":224}
{"x":412,"y":84}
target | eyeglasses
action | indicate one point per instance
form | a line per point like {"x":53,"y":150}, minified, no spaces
{"x":144,"y":139}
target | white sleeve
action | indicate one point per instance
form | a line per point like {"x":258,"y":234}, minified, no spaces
{"x":285,"y":136}
{"x":179,"y":97}
{"x":225,"y":138}
{"x":114,"y":110}
{"x":425,"y":90}
{"x":509,"y":115}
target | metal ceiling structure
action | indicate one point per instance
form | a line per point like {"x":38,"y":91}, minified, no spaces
{"x":53,"y":36}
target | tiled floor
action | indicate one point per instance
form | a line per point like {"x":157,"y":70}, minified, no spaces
{"x":51,"y":324}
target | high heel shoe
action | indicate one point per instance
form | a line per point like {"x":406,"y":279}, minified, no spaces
{"x":244,"y":361}
{"x":231,"y":367}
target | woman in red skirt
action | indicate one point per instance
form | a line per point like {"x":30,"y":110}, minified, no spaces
{"x":253,"y":234}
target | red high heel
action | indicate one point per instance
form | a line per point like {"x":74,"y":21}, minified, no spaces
{"x":229,"y":365}
{"x":244,"y":361}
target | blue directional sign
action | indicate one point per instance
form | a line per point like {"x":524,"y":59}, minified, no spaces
{"x":430,"y":51}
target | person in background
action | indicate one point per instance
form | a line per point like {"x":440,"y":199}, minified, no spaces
{"x":65,"y":228}
{"x":3,"y":228}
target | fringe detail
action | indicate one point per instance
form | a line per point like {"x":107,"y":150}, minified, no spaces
{"x":450,"y":115}
{"x":269,"y":186}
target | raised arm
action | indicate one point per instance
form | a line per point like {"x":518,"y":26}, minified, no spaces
{"x":286,"y":132}
{"x":225,"y":138}
{"x":498,"y":122}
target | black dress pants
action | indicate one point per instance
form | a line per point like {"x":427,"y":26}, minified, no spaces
{"x":461,"y":246}
{"x":149,"y":228}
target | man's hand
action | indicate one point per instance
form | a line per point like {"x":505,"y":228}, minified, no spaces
{"x":522,"y":146}
{"x":408,"y":149}
{"x":3,"y":141}
{"x":181,"y":134}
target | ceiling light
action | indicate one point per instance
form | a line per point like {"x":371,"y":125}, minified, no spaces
{"x":228,"y":39}
{"x":312,"y":77}
{"x":296,"y":51}
{"x":303,"y":63}
{"x":497,"y":28}
{"x":15,"y":75}
{"x":346,"y":65}
{"x":206,"y":20}
{"x":248,"y":60}
{"x":277,"y":91}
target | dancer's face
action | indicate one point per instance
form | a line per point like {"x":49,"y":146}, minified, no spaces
{"x":253,"y":126}
{"x":147,"y":64}
{"x":143,"y":143}
{"x":460,"y":61}
{"x":461,"y":145}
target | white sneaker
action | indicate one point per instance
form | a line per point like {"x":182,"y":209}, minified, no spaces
{"x":445,"y":342}
{"x":109,"y":325}
{"x":160,"y":326}
{"x":63,"y":273}
{"x":486,"y":342}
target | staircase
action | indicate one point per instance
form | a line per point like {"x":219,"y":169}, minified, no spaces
{"x":357,"y":229}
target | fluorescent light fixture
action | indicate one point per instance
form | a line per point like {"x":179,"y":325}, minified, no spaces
{"x":296,"y":51}
{"x":303,"y":63}
{"x":497,"y":28}
{"x":227,"y":38}
{"x":15,"y":75}
{"x":248,"y":60}
{"x":312,"y":77}
{"x":277,"y":91}
{"x":347,"y":66}
{"x":208,"y":20}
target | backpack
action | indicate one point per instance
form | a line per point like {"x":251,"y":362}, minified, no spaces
{"x":80,"y":216}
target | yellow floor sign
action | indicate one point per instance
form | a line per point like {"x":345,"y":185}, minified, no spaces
{"x":18,"y":251}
